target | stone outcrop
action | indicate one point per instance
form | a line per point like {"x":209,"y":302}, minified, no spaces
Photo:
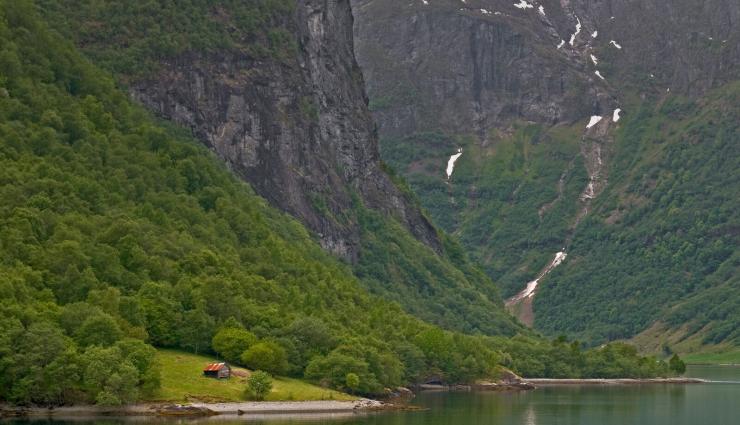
{"x":295,"y":126}
{"x":464,"y":67}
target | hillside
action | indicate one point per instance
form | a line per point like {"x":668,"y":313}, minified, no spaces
{"x":118,"y":231}
{"x":600,"y":134}
{"x":183,"y":381}
{"x":272,"y":87}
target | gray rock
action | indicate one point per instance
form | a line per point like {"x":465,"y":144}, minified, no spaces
{"x":296,"y":128}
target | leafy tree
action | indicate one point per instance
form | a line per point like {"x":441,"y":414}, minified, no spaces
{"x":100,"y":330}
{"x":352,"y":382}
{"x":677,"y":365}
{"x":231,"y":343}
{"x":259,"y":385}
{"x":266,"y":355}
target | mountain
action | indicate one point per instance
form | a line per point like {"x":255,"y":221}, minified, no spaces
{"x":120,"y":232}
{"x":591,"y":147}
{"x":273,"y":88}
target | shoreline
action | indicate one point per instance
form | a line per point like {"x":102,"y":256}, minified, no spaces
{"x":203,"y":409}
{"x":616,"y":381}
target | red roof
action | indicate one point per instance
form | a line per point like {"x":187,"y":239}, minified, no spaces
{"x":214,"y":367}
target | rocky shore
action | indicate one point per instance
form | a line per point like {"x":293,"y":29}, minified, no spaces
{"x":203,"y":409}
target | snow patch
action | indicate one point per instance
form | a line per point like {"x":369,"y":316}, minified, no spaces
{"x":598,"y":74}
{"x":578,"y":31}
{"x":616,"y":116}
{"x":594,"y":60}
{"x":532,"y":286}
{"x":451,"y":163}
{"x":541,"y":9}
{"x":523,"y":5}
{"x":562,"y":43}
{"x":594,"y":34}
{"x":485,"y":11}
{"x":615,"y":44}
{"x":594,"y":120}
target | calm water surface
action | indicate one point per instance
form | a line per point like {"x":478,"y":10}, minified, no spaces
{"x":696,"y":404}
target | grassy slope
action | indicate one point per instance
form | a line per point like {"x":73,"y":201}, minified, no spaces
{"x":724,"y":356}
{"x":182,"y":380}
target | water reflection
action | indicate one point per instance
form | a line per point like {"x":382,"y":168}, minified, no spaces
{"x":698,"y":404}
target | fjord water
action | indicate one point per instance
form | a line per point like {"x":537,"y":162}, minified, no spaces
{"x":695,"y":404}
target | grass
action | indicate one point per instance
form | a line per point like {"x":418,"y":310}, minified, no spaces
{"x":183,"y":380}
{"x":732,"y":356}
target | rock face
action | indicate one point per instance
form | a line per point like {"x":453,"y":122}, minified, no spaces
{"x":297,"y":128}
{"x":538,"y":85}
{"x":464,"y":67}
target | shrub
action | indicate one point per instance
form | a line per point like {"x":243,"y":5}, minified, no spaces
{"x":259,"y":385}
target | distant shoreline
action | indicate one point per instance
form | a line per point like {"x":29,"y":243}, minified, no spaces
{"x":621,"y":381}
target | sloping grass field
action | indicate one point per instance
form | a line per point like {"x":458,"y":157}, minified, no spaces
{"x":183,"y":380}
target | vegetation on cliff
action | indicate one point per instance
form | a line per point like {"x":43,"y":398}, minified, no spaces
{"x":119,"y":233}
{"x":131,"y":39}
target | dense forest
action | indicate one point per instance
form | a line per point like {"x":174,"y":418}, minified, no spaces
{"x":135,"y":40}
{"x":119,"y":232}
{"x":661,"y":239}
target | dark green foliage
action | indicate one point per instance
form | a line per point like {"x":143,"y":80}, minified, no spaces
{"x":496,"y":193}
{"x":677,"y":365}
{"x":259,"y":385}
{"x":453,"y":294}
{"x":563,"y":359}
{"x":117,"y":231}
{"x":661,"y":242}
{"x":231,"y":343}
{"x":133,"y":37}
{"x":115,"y":226}
{"x":267,"y":356}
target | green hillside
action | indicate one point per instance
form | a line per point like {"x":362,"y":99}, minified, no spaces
{"x":118,"y":229}
{"x":133,"y":39}
{"x":119,"y":233}
{"x":660,"y":242}
{"x":183,"y":381}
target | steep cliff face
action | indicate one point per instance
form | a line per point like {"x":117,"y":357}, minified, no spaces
{"x":463,"y":67}
{"x":296,"y":127}
{"x":536,"y":101}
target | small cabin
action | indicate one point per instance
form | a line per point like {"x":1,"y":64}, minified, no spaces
{"x":217,"y":370}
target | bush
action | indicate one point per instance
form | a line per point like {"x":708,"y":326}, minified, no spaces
{"x":259,"y":385}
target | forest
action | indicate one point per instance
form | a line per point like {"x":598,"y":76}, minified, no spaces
{"x":120,"y":233}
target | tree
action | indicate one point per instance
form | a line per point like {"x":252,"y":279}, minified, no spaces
{"x":677,"y":365}
{"x":352,"y":381}
{"x":259,"y":385}
{"x":268,"y":356}
{"x":99,"y":330}
{"x":231,"y":343}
